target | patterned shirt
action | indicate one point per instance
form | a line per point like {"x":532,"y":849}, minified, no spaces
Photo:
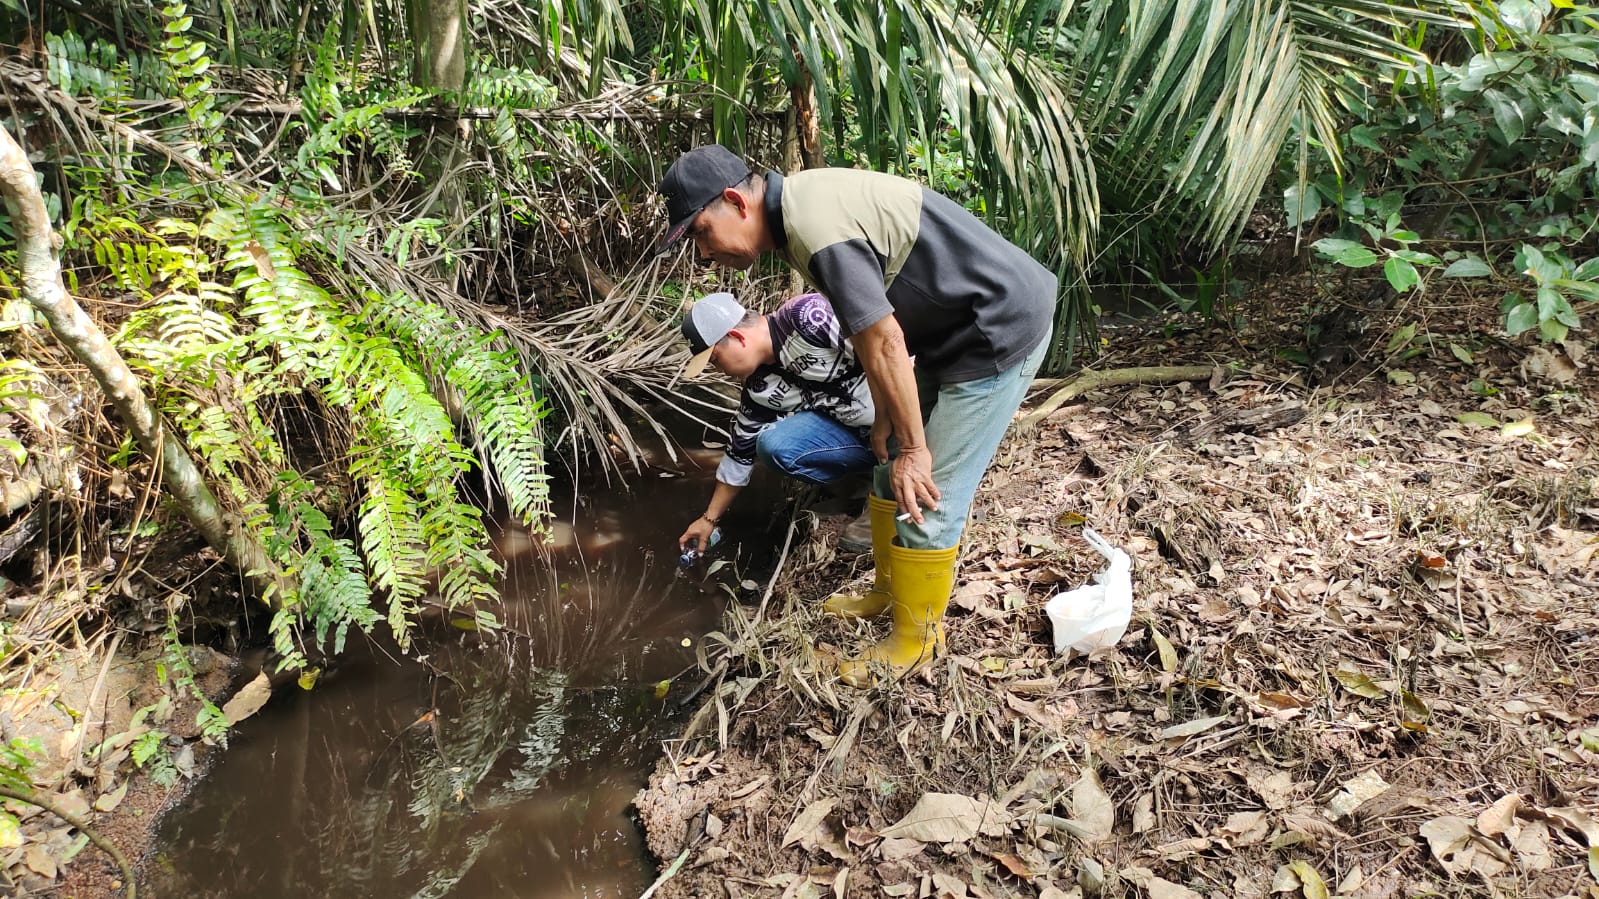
{"x":816,"y":371}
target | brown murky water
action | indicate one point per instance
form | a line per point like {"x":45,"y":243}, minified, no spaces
{"x":498,"y":767}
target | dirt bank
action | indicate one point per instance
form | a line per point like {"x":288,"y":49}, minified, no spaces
{"x":110,"y":735}
{"x":1364,"y":658}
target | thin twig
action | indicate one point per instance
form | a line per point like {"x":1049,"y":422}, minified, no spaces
{"x":668,"y":874}
{"x":793,"y":520}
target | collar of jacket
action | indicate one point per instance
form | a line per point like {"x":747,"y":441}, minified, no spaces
{"x":772,"y":200}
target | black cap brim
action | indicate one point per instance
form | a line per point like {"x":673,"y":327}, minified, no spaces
{"x":676,"y":233}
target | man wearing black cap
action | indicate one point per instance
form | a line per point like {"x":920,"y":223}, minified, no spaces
{"x":804,"y":409}
{"x":909,"y":272}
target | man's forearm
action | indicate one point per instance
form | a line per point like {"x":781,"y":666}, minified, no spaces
{"x":721,"y":498}
{"x":892,"y":379}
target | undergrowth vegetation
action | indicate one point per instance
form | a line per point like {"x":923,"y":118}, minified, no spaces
{"x":1481,"y":164}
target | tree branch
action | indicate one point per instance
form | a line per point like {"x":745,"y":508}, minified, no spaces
{"x":43,"y":288}
{"x":1085,"y":381}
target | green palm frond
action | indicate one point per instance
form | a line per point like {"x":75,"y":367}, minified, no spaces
{"x":1193,"y":100}
{"x":910,"y":70}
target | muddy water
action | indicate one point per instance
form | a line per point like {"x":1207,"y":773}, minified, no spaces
{"x":495,"y":767}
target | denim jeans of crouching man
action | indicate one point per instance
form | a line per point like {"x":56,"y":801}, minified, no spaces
{"x":813,"y":448}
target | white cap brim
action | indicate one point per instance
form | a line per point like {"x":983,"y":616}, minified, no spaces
{"x":696,"y":364}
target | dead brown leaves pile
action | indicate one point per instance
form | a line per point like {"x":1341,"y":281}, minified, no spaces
{"x":1364,"y":660}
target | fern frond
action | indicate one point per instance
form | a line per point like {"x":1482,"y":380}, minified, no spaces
{"x":391,"y":539}
{"x":501,"y":404}
{"x":333,"y":583}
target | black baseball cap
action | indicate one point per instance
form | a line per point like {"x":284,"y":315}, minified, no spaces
{"x":696,"y":179}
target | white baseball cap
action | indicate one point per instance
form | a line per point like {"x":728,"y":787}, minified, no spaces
{"x":707,"y":322}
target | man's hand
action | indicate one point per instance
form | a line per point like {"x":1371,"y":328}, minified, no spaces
{"x":882,"y":429}
{"x":698,"y":533}
{"x":912,"y":477}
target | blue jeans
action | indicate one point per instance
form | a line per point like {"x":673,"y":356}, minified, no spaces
{"x":813,"y":448}
{"x":964,"y":427}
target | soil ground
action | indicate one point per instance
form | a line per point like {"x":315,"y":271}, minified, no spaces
{"x":1363,"y":659}
{"x":85,"y":708}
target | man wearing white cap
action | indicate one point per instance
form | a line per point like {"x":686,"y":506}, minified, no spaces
{"x":804,"y":410}
{"x":909,"y":273}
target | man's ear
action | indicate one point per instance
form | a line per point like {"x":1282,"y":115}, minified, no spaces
{"x":736,"y":198}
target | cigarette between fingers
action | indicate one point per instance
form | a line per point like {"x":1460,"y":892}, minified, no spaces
{"x":904,"y":516}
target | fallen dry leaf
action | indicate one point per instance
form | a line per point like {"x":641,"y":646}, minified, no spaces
{"x":1531,"y":845}
{"x":1309,"y":881}
{"x":1168,"y":654}
{"x":893,"y":849}
{"x":950,"y":818}
{"x":1449,"y":838}
{"x":1092,"y":807}
{"x":1245,"y":828}
{"x":40,"y":861}
{"x":948,"y":885}
{"x":1191,"y":728}
{"x":1014,"y":865}
{"x":808,"y":820}
{"x":249,"y":700}
{"x":1274,"y":788}
{"x":1144,"y":813}
{"x":112,"y":799}
{"x":1035,"y":712}
{"x":1356,"y":790}
{"x":1157,"y":887}
{"x":1497,"y":818}
{"x":1358,"y":683}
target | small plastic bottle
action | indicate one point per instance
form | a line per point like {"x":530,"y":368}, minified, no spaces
{"x":692,"y":554}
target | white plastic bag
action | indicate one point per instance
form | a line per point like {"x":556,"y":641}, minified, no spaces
{"x":1096,"y":615}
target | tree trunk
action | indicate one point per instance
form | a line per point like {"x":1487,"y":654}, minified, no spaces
{"x":42,"y":286}
{"x":438,"y":63}
{"x":438,"y":43}
{"x":806,"y":127}
{"x":807,"y":131}
{"x":802,"y":143}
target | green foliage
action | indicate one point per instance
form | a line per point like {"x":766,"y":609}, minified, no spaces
{"x":1073,"y":120}
{"x":231,"y":326}
{"x":213,"y":724}
{"x":342,"y":114}
{"x":16,"y":761}
{"x":1499,"y":151}
{"x":18,"y":378}
{"x":508,"y":87}
{"x":93,"y":67}
{"x":1555,"y":281}
{"x":149,"y":749}
{"x":187,"y":60}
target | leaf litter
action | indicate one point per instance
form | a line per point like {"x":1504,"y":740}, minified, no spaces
{"x":1364,"y":659}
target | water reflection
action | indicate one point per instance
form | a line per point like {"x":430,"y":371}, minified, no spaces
{"x":495,"y":766}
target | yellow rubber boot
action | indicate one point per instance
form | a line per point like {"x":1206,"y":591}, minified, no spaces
{"x":875,"y":602}
{"x":922,"y":580}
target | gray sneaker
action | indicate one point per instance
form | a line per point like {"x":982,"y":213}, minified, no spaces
{"x":857,"y":535}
